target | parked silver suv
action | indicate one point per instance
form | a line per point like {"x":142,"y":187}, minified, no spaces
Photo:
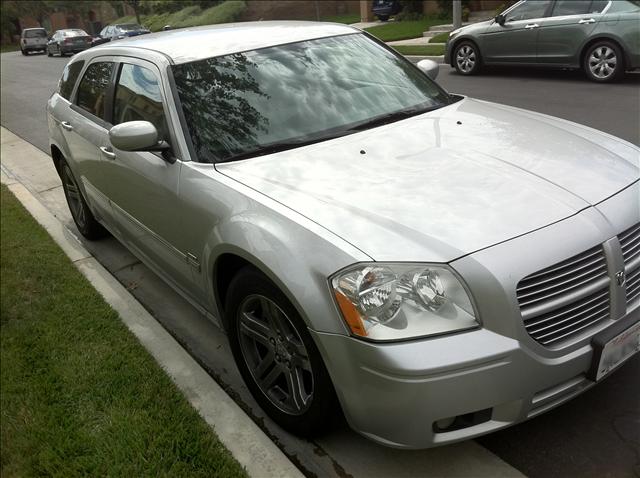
{"x":437,"y":267}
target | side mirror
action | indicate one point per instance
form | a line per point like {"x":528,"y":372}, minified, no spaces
{"x":500,"y":19}
{"x":429,"y":68}
{"x":136,"y":136}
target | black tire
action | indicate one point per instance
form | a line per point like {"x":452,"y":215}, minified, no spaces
{"x":466,"y":58}
{"x":603,"y":62}
{"x":86,"y":223}
{"x":250,"y":288}
{"x":383,"y":18}
{"x":24,"y":52}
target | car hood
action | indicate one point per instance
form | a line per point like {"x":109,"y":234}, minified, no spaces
{"x":445,"y":183}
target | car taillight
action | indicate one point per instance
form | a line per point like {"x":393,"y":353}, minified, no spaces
{"x":67,"y":40}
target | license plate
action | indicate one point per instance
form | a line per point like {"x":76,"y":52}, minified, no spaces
{"x":609,"y":354}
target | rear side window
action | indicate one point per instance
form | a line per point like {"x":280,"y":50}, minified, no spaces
{"x":93,"y":87}
{"x":69,"y":78}
{"x":138,"y":98}
{"x":571,"y":7}
{"x":598,"y":6}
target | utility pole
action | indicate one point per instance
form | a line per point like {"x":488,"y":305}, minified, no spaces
{"x":457,"y":14}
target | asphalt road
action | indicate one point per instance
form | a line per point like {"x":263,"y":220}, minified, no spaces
{"x":595,"y":435}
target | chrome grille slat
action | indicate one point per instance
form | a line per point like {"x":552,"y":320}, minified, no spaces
{"x":567,"y":263}
{"x":591,"y":303}
{"x":575,"y":331}
{"x":595,"y":262}
{"x":630,"y":244}
{"x":560,"y":301}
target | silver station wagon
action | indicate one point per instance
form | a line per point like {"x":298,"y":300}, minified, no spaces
{"x":431,"y":266}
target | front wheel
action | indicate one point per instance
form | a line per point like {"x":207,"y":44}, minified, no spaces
{"x":604,"y":62}
{"x":86,"y":223}
{"x":383,"y":18}
{"x":466,"y":58}
{"x":277,"y":357}
{"x":24,"y":52}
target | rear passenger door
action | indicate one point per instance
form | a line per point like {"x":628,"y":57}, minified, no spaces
{"x":562,"y":35}
{"x":84,"y":129}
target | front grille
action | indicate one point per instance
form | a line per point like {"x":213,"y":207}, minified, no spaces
{"x":560,"y":301}
{"x":630,"y":244}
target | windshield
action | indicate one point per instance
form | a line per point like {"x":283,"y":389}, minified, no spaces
{"x":130,"y":27}
{"x":35,"y":34}
{"x":246,"y":103}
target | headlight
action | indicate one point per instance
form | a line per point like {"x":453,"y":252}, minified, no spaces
{"x":401,"y":301}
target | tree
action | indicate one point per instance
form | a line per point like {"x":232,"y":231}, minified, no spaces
{"x":135,"y":4}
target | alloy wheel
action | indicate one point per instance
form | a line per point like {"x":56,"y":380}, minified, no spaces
{"x":76,"y":205}
{"x":466,"y":58}
{"x":602,"y":62}
{"x":275,"y":354}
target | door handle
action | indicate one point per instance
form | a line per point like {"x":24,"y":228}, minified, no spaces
{"x":106,"y":151}
{"x":531,"y":25}
{"x":66,"y":125}
{"x":587,"y":20}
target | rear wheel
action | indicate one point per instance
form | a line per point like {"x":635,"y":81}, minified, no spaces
{"x":604,"y":62}
{"x":383,"y":18}
{"x":24,"y":52}
{"x":466,"y":58}
{"x":277,"y":357}
{"x":86,"y":223}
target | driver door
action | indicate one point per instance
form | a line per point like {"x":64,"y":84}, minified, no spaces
{"x":516,"y":40}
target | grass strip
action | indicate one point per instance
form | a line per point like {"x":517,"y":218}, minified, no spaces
{"x":420,"y":50}
{"x":439,"y":38}
{"x":404,"y":30}
{"x":79,"y":395}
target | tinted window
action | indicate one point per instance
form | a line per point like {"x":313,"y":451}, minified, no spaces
{"x":35,"y":34}
{"x":69,"y":78}
{"x":93,"y":88}
{"x":528,"y":10}
{"x":571,"y":7}
{"x":243,"y":103}
{"x":130,"y":27}
{"x":598,"y":5}
{"x":138,"y":98}
{"x":104,"y":32}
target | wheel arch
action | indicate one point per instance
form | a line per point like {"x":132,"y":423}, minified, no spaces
{"x":56,"y":157}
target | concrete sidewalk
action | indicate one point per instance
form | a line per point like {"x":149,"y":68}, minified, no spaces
{"x":205,"y":354}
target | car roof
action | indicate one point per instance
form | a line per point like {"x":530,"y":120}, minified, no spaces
{"x":197,"y":43}
{"x":34,"y":28}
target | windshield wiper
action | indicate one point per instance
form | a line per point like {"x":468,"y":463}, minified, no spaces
{"x":392,"y":117}
{"x":284,"y":145}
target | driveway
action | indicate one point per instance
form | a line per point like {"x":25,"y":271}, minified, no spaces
{"x":595,"y":435}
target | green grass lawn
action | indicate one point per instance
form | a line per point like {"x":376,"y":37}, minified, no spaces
{"x":6,"y":48}
{"x":348,"y":18}
{"x":392,"y":31}
{"x":79,"y":395}
{"x":439,"y":38}
{"x":420,"y":50}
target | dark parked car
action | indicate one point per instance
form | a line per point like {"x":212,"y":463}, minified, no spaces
{"x":602,"y":37}
{"x":383,"y":9}
{"x":33,"y":39}
{"x":119,"y":31}
{"x":66,"y":42}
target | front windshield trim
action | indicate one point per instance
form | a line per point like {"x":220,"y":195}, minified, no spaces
{"x":316,"y":137}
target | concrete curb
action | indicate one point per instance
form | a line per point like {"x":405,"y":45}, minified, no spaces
{"x":242,"y":437}
{"x":416,"y":58}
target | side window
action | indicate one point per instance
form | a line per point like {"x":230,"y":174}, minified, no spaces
{"x":571,"y":7}
{"x":138,"y":98}
{"x":93,"y":88}
{"x":528,"y":11}
{"x":104,"y":32}
{"x":69,"y":78}
{"x":597,"y":6}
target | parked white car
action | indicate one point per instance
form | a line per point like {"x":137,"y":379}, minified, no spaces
{"x":33,"y":39}
{"x":435,"y":266}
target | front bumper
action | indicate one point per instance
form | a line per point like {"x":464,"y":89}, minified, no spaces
{"x":395,"y":394}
